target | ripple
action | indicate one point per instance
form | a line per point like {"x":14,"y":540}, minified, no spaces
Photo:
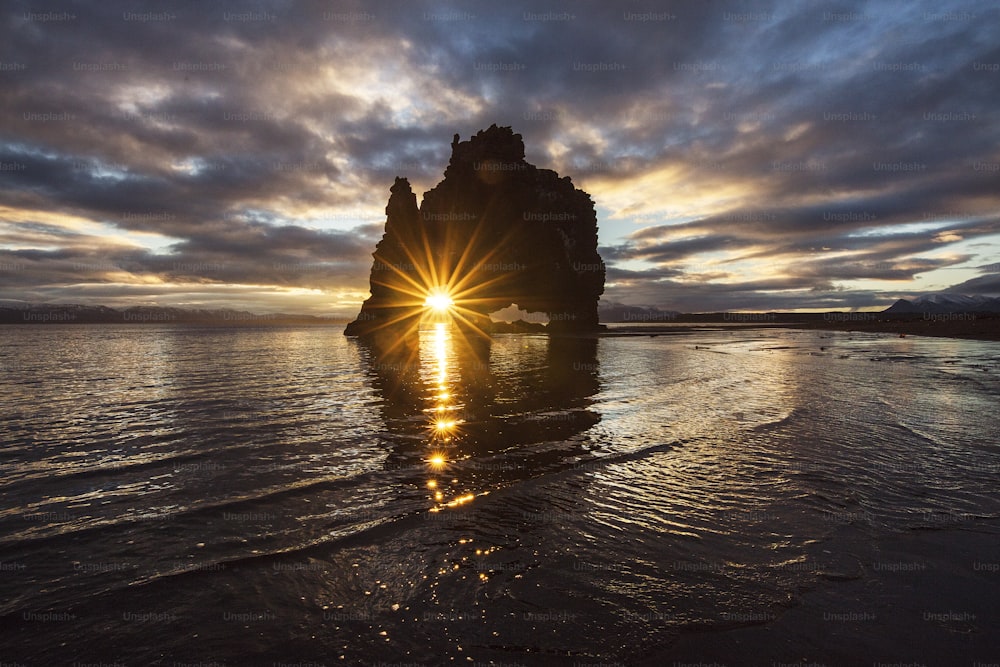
{"x":628,"y":488}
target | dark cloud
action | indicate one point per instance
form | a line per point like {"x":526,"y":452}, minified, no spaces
{"x":988,"y":284}
{"x":752,"y":154}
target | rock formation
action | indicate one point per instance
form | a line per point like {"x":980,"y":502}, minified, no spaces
{"x":496,"y":231}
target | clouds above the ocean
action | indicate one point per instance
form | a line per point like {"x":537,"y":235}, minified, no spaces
{"x":742,"y":155}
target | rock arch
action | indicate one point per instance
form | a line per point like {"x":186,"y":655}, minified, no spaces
{"x":499,"y":231}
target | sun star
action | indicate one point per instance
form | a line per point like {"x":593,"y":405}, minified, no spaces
{"x":439,"y":302}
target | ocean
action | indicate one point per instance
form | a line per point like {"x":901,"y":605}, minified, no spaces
{"x":182,"y":495}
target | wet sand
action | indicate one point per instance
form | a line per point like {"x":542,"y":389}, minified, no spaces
{"x":922,"y":597}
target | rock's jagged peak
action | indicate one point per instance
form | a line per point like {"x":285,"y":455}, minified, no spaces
{"x":401,"y":187}
{"x":496,"y":144}
{"x":402,"y":203}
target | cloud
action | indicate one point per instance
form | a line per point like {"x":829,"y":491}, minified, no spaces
{"x":742,"y":152}
{"x":988,"y":284}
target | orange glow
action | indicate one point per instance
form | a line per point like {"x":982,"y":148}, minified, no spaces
{"x":436,"y":460}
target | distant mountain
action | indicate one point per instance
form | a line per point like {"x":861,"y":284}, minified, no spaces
{"x":944,"y":303}
{"x":619,"y":312}
{"x":18,"y":313}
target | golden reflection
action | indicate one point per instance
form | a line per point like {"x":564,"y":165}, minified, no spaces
{"x":461,"y":500}
{"x":438,"y":358}
{"x":451,"y":397}
{"x":443,"y":424}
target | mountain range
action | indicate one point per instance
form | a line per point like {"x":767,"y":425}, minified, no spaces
{"x":619,"y":312}
{"x":12,"y":312}
{"x":945,"y":303}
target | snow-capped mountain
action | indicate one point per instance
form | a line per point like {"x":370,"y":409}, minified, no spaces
{"x":945,"y":303}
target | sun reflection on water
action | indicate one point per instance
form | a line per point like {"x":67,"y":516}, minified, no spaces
{"x":443,"y":422}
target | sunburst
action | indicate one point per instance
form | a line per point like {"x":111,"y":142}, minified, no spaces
{"x":439,"y":301}
{"x":442,"y":281}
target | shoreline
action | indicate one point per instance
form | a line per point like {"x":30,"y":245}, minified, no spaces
{"x":982,"y":328}
{"x":985,"y":329}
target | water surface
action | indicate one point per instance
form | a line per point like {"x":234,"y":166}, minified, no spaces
{"x":261,"y":495}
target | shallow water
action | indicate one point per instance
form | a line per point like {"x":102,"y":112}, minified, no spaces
{"x":258,"y":496}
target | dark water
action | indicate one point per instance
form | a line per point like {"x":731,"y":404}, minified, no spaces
{"x":183,"y":495}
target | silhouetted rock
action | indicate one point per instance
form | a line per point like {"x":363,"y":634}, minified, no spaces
{"x":496,"y":231}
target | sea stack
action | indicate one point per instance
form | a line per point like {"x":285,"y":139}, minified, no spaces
{"x":498,"y":231}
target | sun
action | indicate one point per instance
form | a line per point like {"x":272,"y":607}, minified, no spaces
{"x":439,"y":302}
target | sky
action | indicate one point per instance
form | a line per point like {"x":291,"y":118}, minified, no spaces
{"x":742,"y":156}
